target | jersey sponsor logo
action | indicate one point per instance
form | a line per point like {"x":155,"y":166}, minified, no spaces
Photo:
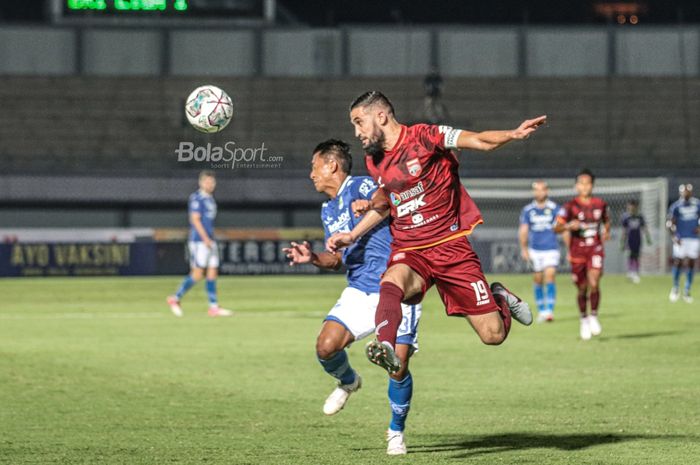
{"x":410,"y":206}
{"x":340,"y":223}
{"x":398,"y":256}
{"x":417,"y":218}
{"x":597,"y":213}
{"x":414,"y":168}
{"x":396,"y":199}
{"x":366,"y":187}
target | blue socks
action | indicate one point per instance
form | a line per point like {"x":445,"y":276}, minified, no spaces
{"x":551,"y":296}
{"x":338,"y":367}
{"x":400,"y":393}
{"x":187,"y":283}
{"x":676,"y":273}
{"x":211,"y":291}
{"x":689,"y":279}
{"x":539,"y":297}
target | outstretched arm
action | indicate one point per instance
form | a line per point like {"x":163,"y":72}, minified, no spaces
{"x":491,"y":140}
{"x":374,"y":211}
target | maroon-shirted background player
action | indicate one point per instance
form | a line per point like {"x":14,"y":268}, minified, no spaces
{"x":584,"y":217}
{"x":432,"y":215}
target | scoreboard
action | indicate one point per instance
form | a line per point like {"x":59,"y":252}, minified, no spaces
{"x":158,"y":11}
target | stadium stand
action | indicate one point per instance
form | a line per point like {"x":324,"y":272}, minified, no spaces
{"x":628,"y":126}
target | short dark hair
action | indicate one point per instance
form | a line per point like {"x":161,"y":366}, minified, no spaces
{"x":586,"y":172}
{"x":633,"y":202}
{"x":337,"y":149}
{"x":372,"y":97}
{"x":207,"y":174}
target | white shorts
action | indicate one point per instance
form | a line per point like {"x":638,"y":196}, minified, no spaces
{"x":542,"y":259}
{"x":202,"y":256}
{"x":688,"y":248}
{"x":355,"y":310}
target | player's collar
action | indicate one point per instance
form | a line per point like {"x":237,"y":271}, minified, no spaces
{"x":342,"y":186}
{"x":402,"y":134}
{"x":203,"y":194}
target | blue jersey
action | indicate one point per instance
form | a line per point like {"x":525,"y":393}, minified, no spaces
{"x":366,"y":259}
{"x":540,"y":222}
{"x":205,"y":205}
{"x":687,"y":214}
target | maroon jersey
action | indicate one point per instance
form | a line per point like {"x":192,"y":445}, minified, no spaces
{"x":420,"y":178}
{"x":591,"y":215}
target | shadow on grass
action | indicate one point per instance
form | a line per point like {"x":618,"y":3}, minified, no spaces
{"x":646,"y":335}
{"x":470,"y":446}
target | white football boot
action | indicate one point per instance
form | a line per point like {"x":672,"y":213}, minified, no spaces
{"x":594,"y":325}
{"x":674,"y":295}
{"x":336,"y":401}
{"x":174,"y":304}
{"x":396,"y":445}
{"x":585,"y":330}
{"x":687,"y":298}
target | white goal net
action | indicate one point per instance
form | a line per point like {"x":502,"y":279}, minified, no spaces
{"x":501,"y":200}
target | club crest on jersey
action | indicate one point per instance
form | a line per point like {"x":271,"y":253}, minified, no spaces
{"x":414,"y":168}
{"x":597,"y":214}
{"x":395,"y":199}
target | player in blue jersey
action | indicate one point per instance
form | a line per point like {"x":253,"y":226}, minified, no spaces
{"x":633,"y":224}
{"x":352,"y":317}
{"x":204,"y":253}
{"x":540,"y":247}
{"x":684,"y":224}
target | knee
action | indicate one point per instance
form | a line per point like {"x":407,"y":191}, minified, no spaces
{"x":493,"y":336}
{"x":327,"y":347}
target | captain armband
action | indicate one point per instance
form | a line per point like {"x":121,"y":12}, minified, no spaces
{"x":451,"y":138}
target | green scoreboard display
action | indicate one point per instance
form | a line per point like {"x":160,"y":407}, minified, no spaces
{"x":158,"y":10}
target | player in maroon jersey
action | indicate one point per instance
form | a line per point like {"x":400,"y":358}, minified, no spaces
{"x":587,"y":219}
{"x":432,"y":215}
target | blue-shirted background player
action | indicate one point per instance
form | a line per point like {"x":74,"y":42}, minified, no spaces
{"x":352,"y":317}
{"x":684,"y":223}
{"x":539,"y":246}
{"x":204,"y":253}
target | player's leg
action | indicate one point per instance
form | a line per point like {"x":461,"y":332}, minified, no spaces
{"x":675,"y":294}
{"x":550,"y":299}
{"x":579,"y":276}
{"x":212,"y":274}
{"x":197,"y":266}
{"x":593,"y":277}
{"x":401,"y":383}
{"x":538,"y":288}
{"x":689,"y":274}
{"x":350,"y":319}
{"x":331,"y":354}
{"x":400,"y":393}
{"x":401,"y":282}
{"x":633,"y":264}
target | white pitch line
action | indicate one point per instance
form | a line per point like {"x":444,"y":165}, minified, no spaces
{"x":107,"y":315}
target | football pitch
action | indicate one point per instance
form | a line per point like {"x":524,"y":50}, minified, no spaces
{"x":97,"y":371}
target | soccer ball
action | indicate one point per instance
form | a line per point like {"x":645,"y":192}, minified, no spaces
{"x":209,"y":109}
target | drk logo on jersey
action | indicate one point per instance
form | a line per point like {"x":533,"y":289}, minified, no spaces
{"x":410,"y":206}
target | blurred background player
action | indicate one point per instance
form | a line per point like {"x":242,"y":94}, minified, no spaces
{"x":684,"y":224}
{"x":204,"y":254}
{"x":540,"y":247}
{"x":584,"y":217}
{"x":633,"y":225}
{"x":432,"y":215}
{"x":352,"y":317}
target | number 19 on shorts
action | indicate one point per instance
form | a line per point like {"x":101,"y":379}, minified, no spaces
{"x":481,"y":292}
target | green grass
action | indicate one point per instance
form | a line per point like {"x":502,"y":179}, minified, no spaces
{"x":97,"y":371}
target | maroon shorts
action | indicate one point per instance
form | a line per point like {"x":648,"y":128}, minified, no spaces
{"x":582,"y":260}
{"x":455,"y":270}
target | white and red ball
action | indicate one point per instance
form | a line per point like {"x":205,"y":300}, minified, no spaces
{"x":209,"y":109}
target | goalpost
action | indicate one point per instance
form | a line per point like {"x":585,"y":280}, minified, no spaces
{"x":501,"y":200}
